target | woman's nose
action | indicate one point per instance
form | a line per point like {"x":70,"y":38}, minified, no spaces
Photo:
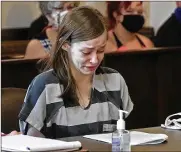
{"x":94,"y":58}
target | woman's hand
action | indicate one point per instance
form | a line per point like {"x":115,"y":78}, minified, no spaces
{"x":14,"y":132}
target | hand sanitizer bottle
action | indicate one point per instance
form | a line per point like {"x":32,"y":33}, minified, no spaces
{"x":121,"y":137}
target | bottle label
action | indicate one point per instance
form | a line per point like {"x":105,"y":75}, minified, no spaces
{"x":121,"y":141}
{"x":115,"y":145}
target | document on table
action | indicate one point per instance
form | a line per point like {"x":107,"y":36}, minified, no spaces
{"x":137,"y":138}
{"x":29,"y":143}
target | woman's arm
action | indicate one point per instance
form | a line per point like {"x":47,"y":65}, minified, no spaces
{"x":35,"y":50}
{"x":127,"y":102}
{"x":34,"y":132}
{"x":14,"y":132}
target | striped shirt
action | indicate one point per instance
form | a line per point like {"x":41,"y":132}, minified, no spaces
{"x":55,"y":117}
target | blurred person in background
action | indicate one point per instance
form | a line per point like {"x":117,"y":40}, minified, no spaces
{"x":41,"y":44}
{"x":169,"y":34}
{"x":125,"y":20}
{"x":37,"y":26}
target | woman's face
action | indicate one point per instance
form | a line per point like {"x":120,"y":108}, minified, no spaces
{"x":65,"y":6}
{"x":131,"y":17}
{"x":135,"y":8}
{"x":86,"y":56}
{"x":59,"y":11}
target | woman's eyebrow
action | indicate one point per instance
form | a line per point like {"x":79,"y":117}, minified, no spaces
{"x":88,"y":48}
{"x":93,"y":47}
{"x":103,"y":44}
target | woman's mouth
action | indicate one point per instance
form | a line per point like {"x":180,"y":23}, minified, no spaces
{"x":92,"y":68}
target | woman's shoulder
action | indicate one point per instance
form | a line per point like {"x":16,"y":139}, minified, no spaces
{"x":109,"y":73}
{"x":42,"y":85}
{"x":33,"y":43}
{"x":45,"y":78}
{"x":148,"y":43}
{"x":106,"y":70}
{"x":40,"y":36}
{"x":110,"y":78}
{"x":35,"y":49}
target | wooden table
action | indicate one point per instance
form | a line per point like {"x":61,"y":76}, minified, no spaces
{"x":172,"y":144}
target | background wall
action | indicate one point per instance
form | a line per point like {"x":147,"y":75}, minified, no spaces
{"x":101,"y":6}
{"x":21,"y":14}
{"x":18,"y":14}
{"x":159,"y":12}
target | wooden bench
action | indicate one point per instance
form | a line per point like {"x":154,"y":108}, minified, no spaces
{"x":18,"y":73}
{"x":13,"y":49}
{"x":154,"y":82}
{"x":153,"y":78}
{"x":11,"y":104}
{"x":22,"y":33}
{"x":14,"y":34}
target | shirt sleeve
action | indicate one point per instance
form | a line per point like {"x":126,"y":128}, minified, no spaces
{"x":33,"y":111}
{"x":127,"y":103}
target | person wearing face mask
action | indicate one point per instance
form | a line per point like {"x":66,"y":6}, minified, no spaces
{"x":125,"y":20}
{"x":169,"y":34}
{"x":54,"y":11}
{"x":76,"y":96}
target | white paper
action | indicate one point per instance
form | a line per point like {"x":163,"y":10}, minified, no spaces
{"x":137,"y":138}
{"x":141,"y":138}
{"x":29,"y":143}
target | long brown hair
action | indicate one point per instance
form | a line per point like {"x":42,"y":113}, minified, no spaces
{"x":81,"y":24}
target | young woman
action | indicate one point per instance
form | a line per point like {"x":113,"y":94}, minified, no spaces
{"x":125,"y":20}
{"x":77,"y":96}
{"x":41,"y":44}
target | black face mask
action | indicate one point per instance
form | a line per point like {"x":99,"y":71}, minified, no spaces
{"x":133,"y":23}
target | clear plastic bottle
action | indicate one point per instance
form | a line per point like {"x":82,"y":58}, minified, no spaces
{"x":121,"y":137}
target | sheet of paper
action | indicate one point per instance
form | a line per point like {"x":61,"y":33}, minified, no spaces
{"x":137,"y":138}
{"x":141,"y":138}
{"x":29,"y":143}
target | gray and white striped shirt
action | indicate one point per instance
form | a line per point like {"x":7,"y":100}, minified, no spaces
{"x":56,"y":117}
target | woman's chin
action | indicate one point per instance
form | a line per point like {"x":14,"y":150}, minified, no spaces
{"x":87,"y":72}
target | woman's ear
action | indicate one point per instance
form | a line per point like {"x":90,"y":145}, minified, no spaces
{"x":115,"y":14}
{"x":118,"y":17}
{"x":66,"y":46}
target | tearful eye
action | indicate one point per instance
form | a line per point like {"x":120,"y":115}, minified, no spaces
{"x":86,"y":53}
{"x":100,"y":51}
